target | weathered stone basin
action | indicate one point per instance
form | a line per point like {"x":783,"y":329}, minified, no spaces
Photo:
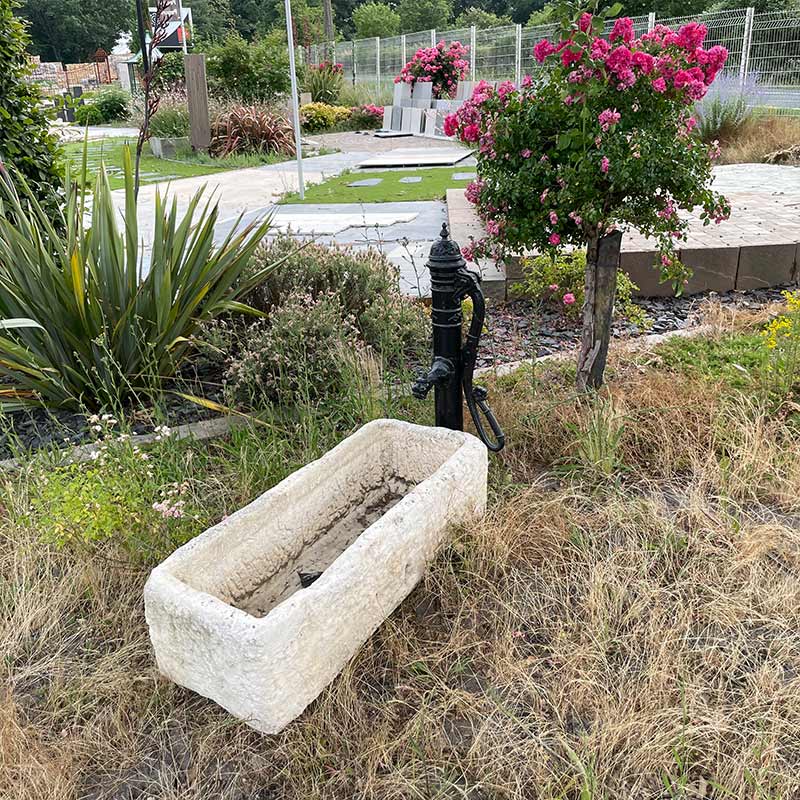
{"x":262,"y":611}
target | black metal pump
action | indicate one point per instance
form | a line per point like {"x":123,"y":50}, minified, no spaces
{"x":453,"y":360}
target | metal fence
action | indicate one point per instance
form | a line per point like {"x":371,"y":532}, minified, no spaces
{"x":763,"y":51}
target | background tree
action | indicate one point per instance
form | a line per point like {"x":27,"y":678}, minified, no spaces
{"x":420,"y":15}
{"x":480,"y":19}
{"x":25,"y":141}
{"x":72,"y":30}
{"x":212,"y":18}
{"x":375,"y":19}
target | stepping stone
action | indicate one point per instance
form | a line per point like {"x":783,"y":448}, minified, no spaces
{"x":411,"y":179}
{"x":464,"y":176}
{"x":367,"y":182}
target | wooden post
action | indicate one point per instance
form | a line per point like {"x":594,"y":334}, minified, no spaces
{"x":194,"y":66}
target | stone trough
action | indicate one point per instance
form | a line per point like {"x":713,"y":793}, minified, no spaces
{"x":262,"y":611}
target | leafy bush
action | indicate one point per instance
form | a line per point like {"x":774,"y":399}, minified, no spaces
{"x":81,"y":328}
{"x":88,"y":114}
{"x":375,"y":19}
{"x":171,"y":121}
{"x":113,"y":102}
{"x":170,"y":76}
{"x":782,"y":338}
{"x":25,"y":140}
{"x":254,"y":72}
{"x":251,"y":129}
{"x":419,"y":15}
{"x":560,"y":281}
{"x":364,"y":282}
{"x":322,"y":117}
{"x":441,"y":65}
{"x":324,"y":82}
{"x":480,"y":19}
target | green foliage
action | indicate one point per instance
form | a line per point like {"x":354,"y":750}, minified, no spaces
{"x":81,"y":329}
{"x":721,"y":117}
{"x":375,"y":19}
{"x":364,"y":283}
{"x":88,"y":114}
{"x":170,"y":75}
{"x":170,"y":121}
{"x":546,"y":15}
{"x":25,"y":140}
{"x":480,"y":19}
{"x":324,"y":82}
{"x":73,"y":30}
{"x":249,"y":72}
{"x":212,"y":19}
{"x":250,"y":130}
{"x":552,"y":279}
{"x":113,"y":102}
{"x":596,"y":448}
{"x":316,"y":117}
{"x":419,"y":15}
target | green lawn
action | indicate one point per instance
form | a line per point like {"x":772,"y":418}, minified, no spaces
{"x":435,"y":182}
{"x":153,"y":170}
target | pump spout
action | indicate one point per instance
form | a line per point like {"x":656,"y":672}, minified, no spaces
{"x":440,"y":374}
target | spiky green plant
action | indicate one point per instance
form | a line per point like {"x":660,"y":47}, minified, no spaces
{"x":85,"y":321}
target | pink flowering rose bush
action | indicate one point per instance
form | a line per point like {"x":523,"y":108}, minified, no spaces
{"x":601,"y":140}
{"x":441,"y":65}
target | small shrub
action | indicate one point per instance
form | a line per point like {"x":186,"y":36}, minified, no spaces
{"x":255,"y":72}
{"x":170,"y":76}
{"x":322,"y":117}
{"x":251,"y":129}
{"x":366,"y":117}
{"x":782,"y":338}
{"x":324,"y":82}
{"x":113,"y":102}
{"x":560,"y":281}
{"x":721,"y":117}
{"x":293,"y":358}
{"x":365,"y":284}
{"x":171,"y":121}
{"x":88,"y":114}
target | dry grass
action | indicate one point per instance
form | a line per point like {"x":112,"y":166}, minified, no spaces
{"x":760,"y":136}
{"x":622,"y":632}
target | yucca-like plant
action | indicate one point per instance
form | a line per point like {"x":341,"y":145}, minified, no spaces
{"x":81,"y":326}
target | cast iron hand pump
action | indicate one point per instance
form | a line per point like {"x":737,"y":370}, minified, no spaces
{"x":454,"y":361}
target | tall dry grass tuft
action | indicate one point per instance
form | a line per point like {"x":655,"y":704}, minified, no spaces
{"x":761,"y":135}
{"x":598,"y":635}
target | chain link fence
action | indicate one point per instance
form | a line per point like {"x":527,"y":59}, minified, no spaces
{"x":763,"y":52}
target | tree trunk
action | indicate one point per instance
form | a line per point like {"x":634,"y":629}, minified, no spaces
{"x":330,"y":34}
{"x":602,"y":263}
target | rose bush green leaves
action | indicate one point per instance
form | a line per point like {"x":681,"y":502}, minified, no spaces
{"x":602,"y":139}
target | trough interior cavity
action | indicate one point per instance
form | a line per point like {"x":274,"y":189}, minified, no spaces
{"x":253,"y":560}
{"x":329,"y":544}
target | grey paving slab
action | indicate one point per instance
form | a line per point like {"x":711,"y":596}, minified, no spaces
{"x":417,"y":157}
{"x":366,"y":182}
{"x":411,"y":179}
{"x":464,"y":176}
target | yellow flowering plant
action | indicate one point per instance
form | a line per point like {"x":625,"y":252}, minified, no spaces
{"x":782,"y":338}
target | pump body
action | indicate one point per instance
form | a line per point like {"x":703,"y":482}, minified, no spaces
{"x":454,"y":356}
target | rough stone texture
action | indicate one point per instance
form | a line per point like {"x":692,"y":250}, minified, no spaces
{"x":714,"y":268}
{"x":266,"y":670}
{"x":641,"y":268}
{"x":765,"y":265}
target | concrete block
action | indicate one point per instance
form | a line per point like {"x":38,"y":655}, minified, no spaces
{"x":422,"y":93}
{"x":714,"y":268}
{"x":387,"y":118}
{"x":640,"y":265}
{"x":412,"y":120}
{"x":402,"y":94}
{"x":765,"y":265}
{"x":241,"y":615}
{"x":397,"y":118}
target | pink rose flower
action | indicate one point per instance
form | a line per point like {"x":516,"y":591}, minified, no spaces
{"x":569,"y":299}
{"x":604,"y":165}
{"x":553,"y":218}
{"x":526,"y":153}
{"x":553,"y":287}
{"x":554,"y":239}
{"x":585,"y":21}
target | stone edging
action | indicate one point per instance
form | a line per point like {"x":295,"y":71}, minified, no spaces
{"x":200,"y":430}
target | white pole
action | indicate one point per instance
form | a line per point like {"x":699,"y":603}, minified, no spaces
{"x":182,"y":29}
{"x":295,"y":105}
